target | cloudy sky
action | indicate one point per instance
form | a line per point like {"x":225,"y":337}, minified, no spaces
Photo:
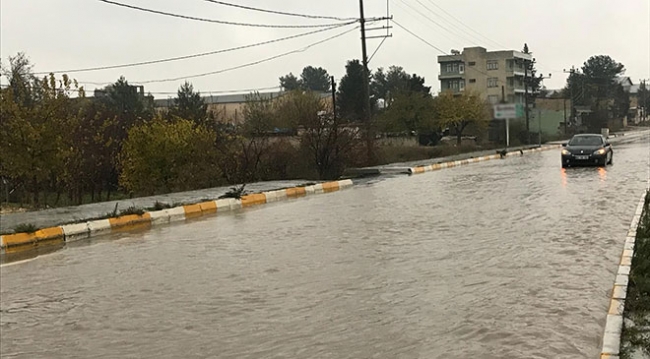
{"x":75,"y":34}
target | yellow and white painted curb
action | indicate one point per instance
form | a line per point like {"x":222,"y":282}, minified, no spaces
{"x":19,"y":242}
{"x":614,"y":325}
{"x":451,"y":164}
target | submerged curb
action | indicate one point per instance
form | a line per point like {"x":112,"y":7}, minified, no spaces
{"x":19,"y":242}
{"x":614,"y":325}
{"x":451,"y":164}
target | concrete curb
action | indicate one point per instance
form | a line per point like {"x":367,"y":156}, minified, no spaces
{"x":19,"y":242}
{"x":614,"y":325}
{"x":451,"y":164}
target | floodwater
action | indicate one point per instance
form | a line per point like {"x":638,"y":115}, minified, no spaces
{"x":502,"y":259}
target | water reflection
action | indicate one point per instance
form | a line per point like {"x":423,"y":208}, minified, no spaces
{"x":577,"y":173}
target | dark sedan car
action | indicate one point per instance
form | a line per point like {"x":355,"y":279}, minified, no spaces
{"x":585,"y":150}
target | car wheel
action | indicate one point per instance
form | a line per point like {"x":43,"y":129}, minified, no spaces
{"x":611,"y":159}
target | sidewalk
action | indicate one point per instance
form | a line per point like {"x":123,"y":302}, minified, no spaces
{"x":56,"y":216}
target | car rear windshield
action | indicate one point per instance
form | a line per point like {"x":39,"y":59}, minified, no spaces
{"x":586,"y":141}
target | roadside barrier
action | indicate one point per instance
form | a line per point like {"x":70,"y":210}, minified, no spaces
{"x":13,"y":243}
{"x":614,"y":325}
{"x":451,"y":164}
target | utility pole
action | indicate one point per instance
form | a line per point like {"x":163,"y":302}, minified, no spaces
{"x":333,"y":84}
{"x":366,"y":86}
{"x":539,"y":117}
{"x":572,"y":115}
{"x":526,"y":100}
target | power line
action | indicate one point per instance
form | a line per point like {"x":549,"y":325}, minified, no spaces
{"x":418,"y":37}
{"x":279,"y":12}
{"x":377,"y":49}
{"x":110,"y":67}
{"x":303,"y":49}
{"x":471,"y":37}
{"x":409,"y":12}
{"x":215,"y":21}
{"x":437,"y":24}
{"x":462,"y":23}
{"x":442,"y":51}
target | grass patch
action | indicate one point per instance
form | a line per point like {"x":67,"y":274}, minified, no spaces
{"x":25,"y":228}
{"x":636,"y":337}
{"x":234,"y":192}
{"x":159,"y":206}
{"x":133,"y":210}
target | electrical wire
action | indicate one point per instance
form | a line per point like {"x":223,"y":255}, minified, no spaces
{"x":280,"y":12}
{"x":444,"y":28}
{"x":418,"y":37}
{"x":377,"y":49}
{"x":142,"y":63}
{"x":443,"y":52}
{"x":462,"y":23}
{"x":223,"y":22}
{"x":303,"y":49}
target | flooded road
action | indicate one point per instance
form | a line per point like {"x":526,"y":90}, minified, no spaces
{"x":502,"y":259}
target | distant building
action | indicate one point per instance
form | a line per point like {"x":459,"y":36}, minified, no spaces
{"x":485,"y":72}
{"x":229,"y":108}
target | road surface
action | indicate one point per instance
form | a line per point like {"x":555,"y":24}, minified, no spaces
{"x":501,"y":259}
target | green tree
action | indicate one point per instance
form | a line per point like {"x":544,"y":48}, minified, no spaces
{"x":410,"y":112}
{"x":643,"y":97}
{"x":459,"y":111}
{"x":127,"y":102}
{"x":161,"y":157}
{"x":350,"y":97}
{"x":243,"y":150}
{"x":596,"y":86}
{"x":35,"y":120}
{"x":315,"y":79}
{"x":386,"y":85}
{"x":327,"y":144}
{"x":290,"y":82}
{"x":189,"y":105}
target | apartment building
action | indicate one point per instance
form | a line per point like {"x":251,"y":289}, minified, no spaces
{"x":485,"y":72}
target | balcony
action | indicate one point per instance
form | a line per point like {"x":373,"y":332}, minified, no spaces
{"x":451,"y":75}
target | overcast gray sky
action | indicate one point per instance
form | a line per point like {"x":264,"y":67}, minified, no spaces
{"x":72,"y":34}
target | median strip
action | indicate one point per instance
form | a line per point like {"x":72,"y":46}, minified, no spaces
{"x":19,"y":242}
{"x":452,"y":164}
{"x":625,"y":292}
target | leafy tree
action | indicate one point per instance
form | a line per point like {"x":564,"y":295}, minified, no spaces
{"x":643,"y":97}
{"x":596,"y":86}
{"x":315,"y":79}
{"x":410,"y":112}
{"x":350,"y":96}
{"x":458,"y":111}
{"x":327,"y":144}
{"x":128,"y":103}
{"x":189,"y":105}
{"x":290,"y":82}
{"x":243,"y":151}
{"x":161,"y":157}
{"x":416,"y":84}
{"x":35,"y":118}
{"x":386,"y":85}
{"x":311,"y":79}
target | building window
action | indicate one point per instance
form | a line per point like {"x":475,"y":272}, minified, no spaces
{"x":472,"y":81}
{"x":493,"y":82}
{"x":454,"y":85}
{"x":493,"y":99}
{"x":493,"y":65}
{"x":461,"y":85}
{"x":461,"y":68}
{"x":449,"y":67}
{"x":471,"y":63}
